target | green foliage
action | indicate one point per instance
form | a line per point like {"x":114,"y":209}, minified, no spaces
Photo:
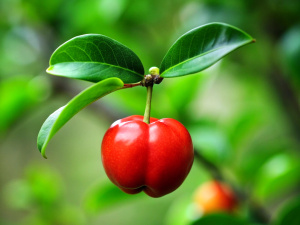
{"x":104,"y":196}
{"x":181,"y":93}
{"x":217,"y":219}
{"x":95,"y":57}
{"x":180,"y":212}
{"x":277,"y":175}
{"x":241,"y":112}
{"x":57,"y":119}
{"x":290,"y":49}
{"x":201,"y":47}
{"x":289,"y":214}
{"x":211,"y":142}
{"x":41,"y":189}
{"x":23,"y":193}
{"x":18,"y":95}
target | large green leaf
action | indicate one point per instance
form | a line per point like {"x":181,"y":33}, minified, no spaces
{"x":202,"y":47}
{"x":94,"y":57}
{"x":57,"y":119}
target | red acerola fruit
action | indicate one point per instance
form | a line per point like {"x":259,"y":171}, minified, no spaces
{"x":214,"y":196}
{"x":154,"y":158}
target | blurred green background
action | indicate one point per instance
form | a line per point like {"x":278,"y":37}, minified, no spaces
{"x":242,"y":113}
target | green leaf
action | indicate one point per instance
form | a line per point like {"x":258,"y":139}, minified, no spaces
{"x":189,"y":86}
{"x":18,"y":94}
{"x":181,"y":211}
{"x":290,"y":53}
{"x":201,"y":47}
{"x":211,"y":142}
{"x":289,"y":214}
{"x":94,"y":57}
{"x":106,"y":195}
{"x":57,"y":119}
{"x":217,"y":219}
{"x":279,"y":175}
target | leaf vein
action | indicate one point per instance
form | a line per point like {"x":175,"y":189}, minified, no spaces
{"x":191,"y":45}
{"x":189,"y":59}
{"x":109,"y":65}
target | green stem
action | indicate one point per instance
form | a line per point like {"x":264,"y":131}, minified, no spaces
{"x":148,"y":105}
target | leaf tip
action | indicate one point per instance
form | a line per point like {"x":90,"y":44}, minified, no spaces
{"x":42,"y":150}
{"x":48,"y":70}
{"x":43,"y":154}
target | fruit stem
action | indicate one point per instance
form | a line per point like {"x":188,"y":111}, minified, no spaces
{"x":148,"y":104}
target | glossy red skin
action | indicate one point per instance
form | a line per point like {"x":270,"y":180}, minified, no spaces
{"x":154,"y":158}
